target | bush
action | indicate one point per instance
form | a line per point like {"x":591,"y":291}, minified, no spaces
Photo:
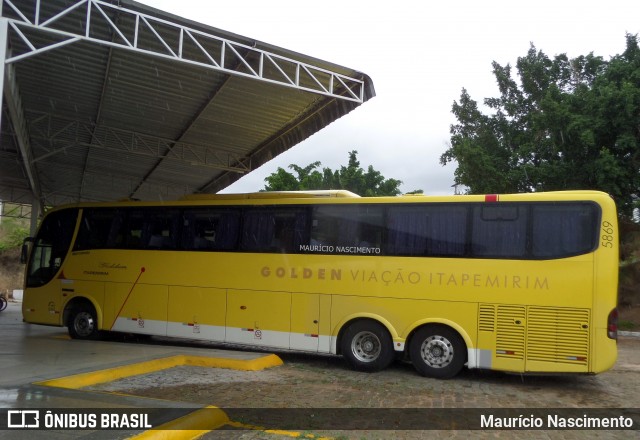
{"x":12,"y":234}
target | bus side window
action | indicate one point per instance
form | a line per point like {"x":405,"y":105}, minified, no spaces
{"x":99,"y":229}
{"x":203,"y":232}
{"x":564,"y":230}
{"x":210,"y":229}
{"x":133,"y":230}
{"x":334,"y":225}
{"x":115,"y":238}
{"x":160,"y":230}
{"x":340,"y":225}
{"x":257,"y":230}
{"x":204,"y":236}
{"x":433,"y":230}
{"x":499,"y":231}
{"x":369,"y":226}
{"x":279,"y":230}
{"x":227,"y":230}
{"x":324,"y":227}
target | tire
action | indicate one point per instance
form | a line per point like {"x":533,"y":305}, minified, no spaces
{"x":83,"y":323}
{"x":3,"y":303}
{"x":367,"y":346}
{"x":437,"y":351}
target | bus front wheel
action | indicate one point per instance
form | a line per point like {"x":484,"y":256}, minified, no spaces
{"x":82,"y":323}
{"x":367,"y":346}
{"x":437,"y":351}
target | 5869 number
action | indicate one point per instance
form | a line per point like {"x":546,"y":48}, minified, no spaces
{"x":607,"y":235}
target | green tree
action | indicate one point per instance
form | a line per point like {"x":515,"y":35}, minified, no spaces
{"x":351,"y":177}
{"x":567,"y":124}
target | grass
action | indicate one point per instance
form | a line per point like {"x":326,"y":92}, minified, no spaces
{"x":626,"y":325}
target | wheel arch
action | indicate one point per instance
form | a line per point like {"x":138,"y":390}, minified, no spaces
{"x":75,"y":303}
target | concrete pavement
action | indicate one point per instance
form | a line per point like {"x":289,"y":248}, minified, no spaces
{"x":42,"y":368}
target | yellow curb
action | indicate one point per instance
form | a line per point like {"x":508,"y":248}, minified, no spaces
{"x":279,"y":432}
{"x":177,"y":429}
{"x":110,"y":374}
{"x":256,"y":364}
{"x":95,"y":377}
{"x":208,"y":419}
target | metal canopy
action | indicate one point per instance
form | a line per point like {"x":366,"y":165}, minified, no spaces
{"x":113,"y":100}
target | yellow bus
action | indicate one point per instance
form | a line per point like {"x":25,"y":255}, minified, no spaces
{"x":519,"y":283}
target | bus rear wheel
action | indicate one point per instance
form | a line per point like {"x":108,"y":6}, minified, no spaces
{"x":367,"y":346}
{"x":83,"y":323}
{"x":437,"y":351}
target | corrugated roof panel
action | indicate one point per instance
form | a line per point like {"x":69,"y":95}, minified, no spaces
{"x":161,"y":115}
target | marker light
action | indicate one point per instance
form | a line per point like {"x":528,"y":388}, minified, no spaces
{"x":612,"y":324}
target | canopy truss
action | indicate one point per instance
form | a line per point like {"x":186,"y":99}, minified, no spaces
{"x":110,"y":100}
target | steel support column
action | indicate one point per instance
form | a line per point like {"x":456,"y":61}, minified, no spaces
{"x":35,"y":214}
{"x":11,"y":96}
{"x":4,"y":41}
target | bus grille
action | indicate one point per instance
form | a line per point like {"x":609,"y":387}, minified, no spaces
{"x":486,"y":318}
{"x":558,"y":335}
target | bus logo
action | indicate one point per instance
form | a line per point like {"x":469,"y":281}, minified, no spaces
{"x":23,"y":419}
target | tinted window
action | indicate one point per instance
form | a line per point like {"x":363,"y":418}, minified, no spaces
{"x":343,"y":226}
{"x":152,"y":229}
{"x":100,"y":229}
{"x":280,"y":230}
{"x":499,"y":231}
{"x":564,"y":229}
{"x":214,"y":229}
{"x":427,"y":230}
{"x":51,"y":246}
{"x":138,"y":228}
{"x":474,"y":230}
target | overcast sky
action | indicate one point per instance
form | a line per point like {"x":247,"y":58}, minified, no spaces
{"x":419,"y":55}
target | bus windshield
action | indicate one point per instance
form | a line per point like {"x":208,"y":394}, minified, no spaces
{"x":50,"y":247}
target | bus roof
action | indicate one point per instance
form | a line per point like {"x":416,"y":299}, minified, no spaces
{"x":273,"y":195}
{"x":343,"y":196}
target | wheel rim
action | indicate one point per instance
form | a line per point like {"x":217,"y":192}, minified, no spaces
{"x":436,"y":351}
{"x":84,"y":324}
{"x":366,"y":346}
